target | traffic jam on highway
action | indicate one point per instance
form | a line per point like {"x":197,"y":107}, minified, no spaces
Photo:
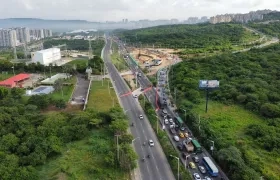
{"x":200,"y":165}
{"x":194,"y":157}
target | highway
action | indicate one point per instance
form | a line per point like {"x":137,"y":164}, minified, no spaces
{"x":156,"y":167}
{"x":152,"y":95}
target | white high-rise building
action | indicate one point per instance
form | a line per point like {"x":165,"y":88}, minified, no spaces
{"x":8,"y":38}
{"x":23,"y":34}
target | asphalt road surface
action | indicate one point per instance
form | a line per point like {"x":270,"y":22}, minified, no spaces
{"x":80,"y":91}
{"x":152,"y":95}
{"x":156,"y":167}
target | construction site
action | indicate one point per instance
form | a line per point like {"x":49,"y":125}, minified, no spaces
{"x":154,"y":59}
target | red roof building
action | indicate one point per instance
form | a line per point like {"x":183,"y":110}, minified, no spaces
{"x":12,"y":81}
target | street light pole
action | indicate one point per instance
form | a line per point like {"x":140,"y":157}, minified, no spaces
{"x":186,"y":161}
{"x":134,"y":139}
{"x":178,"y":165}
{"x":213,"y":144}
{"x":185,"y":114}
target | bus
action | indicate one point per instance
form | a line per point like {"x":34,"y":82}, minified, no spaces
{"x":197,"y":146}
{"x":210,"y":166}
{"x":179,"y":121}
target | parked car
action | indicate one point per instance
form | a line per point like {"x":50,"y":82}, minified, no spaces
{"x":151,"y":143}
{"x":135,"y":96}
{"x":141,"y":117}
{"x":207,"y":178}
{"x":202,"y":169}
{"x":176,"y":138}
{"x":192,"y":165}
{"x":181,"y":135}
{"x":196,"y":176}
{"x":186,"y":135}
{"x":171,"y":120}
{"x":180,"y":147}
{"x":166,"y":121}
{"x":182,"y":128}
{"x":195,"y":159}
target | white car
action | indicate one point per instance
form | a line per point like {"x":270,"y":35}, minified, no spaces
{"x":196,"y":176}
{"x":141,"y":117}
{"x":135,"y":96}
{"x":151,"y":143}
{"x":171,"y":120}
{"x":166,"y":121}
{"x":202,"y":169}
{"x":176,"y":138}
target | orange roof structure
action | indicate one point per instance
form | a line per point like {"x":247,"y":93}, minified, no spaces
{"x":12,"y":81}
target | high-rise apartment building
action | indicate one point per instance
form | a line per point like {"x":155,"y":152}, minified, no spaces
{"x":23,"y":34}
{"x":8,"y":38}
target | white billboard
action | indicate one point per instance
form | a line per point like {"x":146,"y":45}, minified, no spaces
{"x":209,"y":84}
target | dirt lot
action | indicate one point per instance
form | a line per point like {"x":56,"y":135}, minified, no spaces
{"x":129,"y":78}
{"x":146,"y":55}
{"x":32,"y":81}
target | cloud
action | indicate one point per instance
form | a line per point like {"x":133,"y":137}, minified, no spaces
{"x":102,"y":10}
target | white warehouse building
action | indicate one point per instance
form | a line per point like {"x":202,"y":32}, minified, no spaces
{"x":46,"y":56}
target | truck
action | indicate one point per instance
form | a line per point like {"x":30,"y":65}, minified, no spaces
{"x":188,"y":145}
{"x":197,"y":146}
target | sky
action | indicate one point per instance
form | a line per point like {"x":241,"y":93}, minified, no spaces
{"x":116,"y":10}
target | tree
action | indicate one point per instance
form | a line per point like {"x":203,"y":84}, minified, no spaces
{"x":119,"y":126}
{"x":17,"y":93}
{"x":9,"y":142}
{"x":41,"y":101}
{"x":270,"y":110}
{"x":3,"y":92}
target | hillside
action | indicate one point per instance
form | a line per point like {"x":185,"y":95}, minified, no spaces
{"x":205,"y":37}
{"x":270,"y":28}
{"x":244,"y":118}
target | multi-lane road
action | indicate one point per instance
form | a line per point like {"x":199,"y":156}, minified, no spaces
{"x":156,"y":167}
{"x":152,"y":95}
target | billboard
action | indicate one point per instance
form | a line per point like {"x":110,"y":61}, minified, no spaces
{"x":209,"y":84}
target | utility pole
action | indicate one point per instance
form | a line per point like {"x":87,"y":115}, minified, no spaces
{"x":89,"y":51}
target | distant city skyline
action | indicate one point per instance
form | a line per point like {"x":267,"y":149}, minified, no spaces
{"x":117,"y":10}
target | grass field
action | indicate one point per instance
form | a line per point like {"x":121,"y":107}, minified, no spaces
{"x":100,"y":98}
{"x":81,"y":62}
{"x":83,"y":160}
{"x":5,"y":76}
{"x":230,"y":123}
{"x":67,"y":90}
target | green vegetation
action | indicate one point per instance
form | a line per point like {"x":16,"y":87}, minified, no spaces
{"x":64,"y":89}
{"x":80,"y":65}
{"x":272,"y":28}
{"x":77,"y":44}
{"x":193,"y":38}
{"x":164,"y":140}
{"x":4,"y":76}
{"x":247,"y":140}
{"x":85,"y":159}
{"x":117,"y":59}
{"x":60,"y":145}
{"x":102,"y":98}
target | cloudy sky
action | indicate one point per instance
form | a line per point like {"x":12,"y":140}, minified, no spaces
{"x":115,"y":10}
